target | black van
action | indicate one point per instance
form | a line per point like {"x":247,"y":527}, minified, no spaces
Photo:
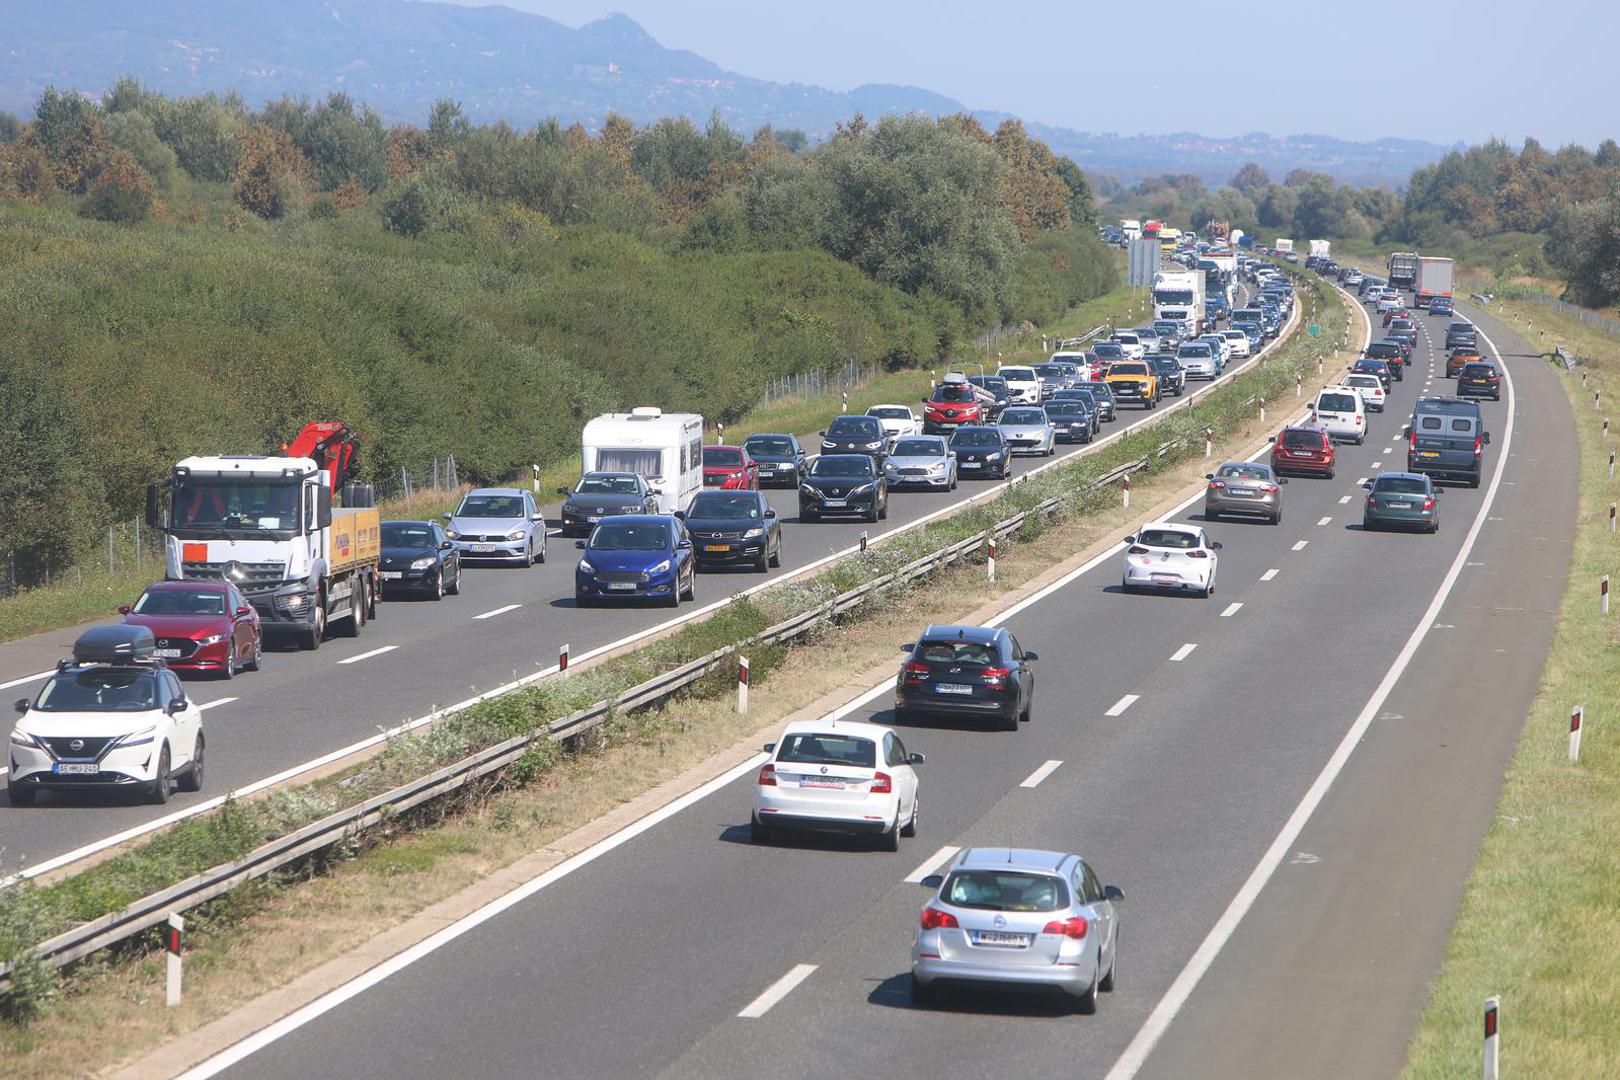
{"x":1447,"y":438}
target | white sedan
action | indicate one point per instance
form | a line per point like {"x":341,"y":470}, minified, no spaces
{"x":1237,"y":341}
{"x":1371,"y":389}
{"x":898,"y":421}
{"x":837,"y":776}
{"x":1169,"y":555}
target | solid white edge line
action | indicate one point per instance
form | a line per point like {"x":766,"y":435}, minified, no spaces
{"x":1182,"y":653}
{"x":1159,"y":1020}
{"x":498,"y":611}
{"x":369,"y":655}
{"x":1034,"y":779}
{"x":778,"y":990}
{"x":332,"y":999}
{"x":1231,"y":610}
{"x":204,"y":706}
{"x":1118,"y":708}
{"x":932,"y":863}
{"x":27,"y":679}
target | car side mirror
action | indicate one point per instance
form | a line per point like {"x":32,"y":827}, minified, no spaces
{"x":1282,"y":479}
{"x":1113,"y":893}
{"x":447,"y":546}
{"x":770,"y":512}
{"x":684,"y":544}
{"x":447,"y":515}
{"x":125,"y":609}
{"x":679,"y":515}
{"x":1130,"y":539}
{"x":769,"y":748}
{"x":915,"y":759}
{"x":1272,"y":439}
{"x":21,"y":705}
{"x":823,"y":434}
{"x":244,"y":611}
{"x":1030,"y":656}
{"x":564,"y":492}
{"x":1216,"y":545}
{"x":932,"y":881}
{"x":538,"y":517}
{"x":175,"y":705}
{"x":1209,"y":476}
{"x":1487,"y":437}
{"x":907,"y":646}
{"x":580,"y":544}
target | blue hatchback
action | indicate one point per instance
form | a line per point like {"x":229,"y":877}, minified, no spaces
{"x":636,"y":557}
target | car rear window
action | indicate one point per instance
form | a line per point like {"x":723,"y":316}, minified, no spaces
{"x":1462,"y":424}
{"x":1298,"y":437}
{"x":1168,"y":538}
{"x":1245,"y":472}
{"x":827,"y":748}
{"x":956,"y":651}
{"x":1005,"y":890}
{"x":1336,"y":403}
{"x":1404,"y":485}
{"x":1478,"y":369}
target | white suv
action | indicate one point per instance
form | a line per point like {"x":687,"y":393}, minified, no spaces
{"x":1023,"y":385}
{"x":837,"y":776}
{"x":1341,"y":412}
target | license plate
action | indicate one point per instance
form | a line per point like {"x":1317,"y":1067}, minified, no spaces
{"x":1003,"y":938}
{"x":1428,"y":453}
{"x":483,"y":549}
{"x":392,"y":575}
{"x":828,"y":782}
{"x":62,"y":769}
{"x":716,"y":547}
{"x":622,"y":586}
{"x":834,"y":502}
{"x":952,"y":688}
{"x":166,"y":654}
{"x":971,"y":464}
{"x":1169,"y":579}
{"x":1400,"y":505}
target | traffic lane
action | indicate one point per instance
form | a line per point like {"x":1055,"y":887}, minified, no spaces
{"x":1414,"y":803}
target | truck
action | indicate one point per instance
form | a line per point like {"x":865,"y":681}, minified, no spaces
{"x":1403,"y":267}
{"x":1217,"y":232}
{"x":665,"y":449}
{"x":1131,"y":228}
{"x":267,"y":524}
{"x":1283,"y":246}
{"x":1433,"y":280}
{"x":1169,"y":239}
{"x":1321,"y":249}
{"x":1225,"y":261}
{"x":1178,"y":295}
{"x":1150,"y":229}
{"x":1242,"y":240}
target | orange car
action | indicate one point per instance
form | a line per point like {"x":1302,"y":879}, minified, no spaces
{"x":1457,"y":358}
{"x":1133,"y":381}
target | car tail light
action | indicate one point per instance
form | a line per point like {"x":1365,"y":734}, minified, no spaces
{"x":1075,"y":927}
{"x":1478,"y":445}
{"x":1197,"y":554}
{"x":1270,"y":489}
{"x":1138,"y":550}
{"x":1428,"y":503}
{"x":1372,"y":502}
{"x":935,"y":919}
{"x":1495,"y":378}
{"x":767,"y":775}
{"x":915,"y":671}
{"x":882,"y":784}
{"x":1413,"y":439}
{"x":1217,"y":485}
{"x":993,"y":676}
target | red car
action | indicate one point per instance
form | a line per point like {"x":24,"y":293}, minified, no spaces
{"x":1305,"y":449}
{"x":952,"y":405}
{"x":729,"y":467}
{"x":1396,"y":313}
{"x":200,"y":626}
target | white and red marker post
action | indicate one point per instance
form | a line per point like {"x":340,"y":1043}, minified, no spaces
{"x":173,"y":940}
{"x":1492,"y":1038}
{"x":742,"y":684}
{"x":562,"y":658}
{"x":1612,"y":508}
{"x":1125,"y":489}
{"x":1603,"y":586}
{"x":990,"y":563}
{"x":1611,"y":464}
{"x":1577,"y":716}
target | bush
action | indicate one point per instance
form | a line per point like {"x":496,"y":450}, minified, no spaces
{"x":121,"y":192}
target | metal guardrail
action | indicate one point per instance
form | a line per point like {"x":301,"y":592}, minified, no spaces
{"x":1567,"y":358}
{"x":1076,"y":342}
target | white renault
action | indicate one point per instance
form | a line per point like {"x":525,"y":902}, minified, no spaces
{"x":1340,"y":411}
{"x":1169,"y":555}
{"x":837,"y":776}
{"x":1023,"y":385}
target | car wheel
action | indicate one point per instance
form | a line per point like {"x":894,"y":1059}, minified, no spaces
{"x":922,"y":993}
{"x":229,"y":671}
{"x":542,"y":556}
{"x":193,"y":778}
{"x":1211,"y":514}
{"x":1086,"y":1004}
{"x":776,"y":556}
{"x":1368,"y":524}
{"x":258,"y":655}
{"x":157,"y":792}
{"x":438,"y":586}
{"x":581,"y":600}
{"x":1276,"y":519}
{"x":871,"y":515}
{"x":1108,"y":983}
{"x":454,"y":588}
{"x":910,"y":828}
{"x":883,"y":511}
{"x":1330,"y":474}
{"x":1473,"y":481}
{"x":760,"y":834}
{"x":808,"y":517}
{"x":890,"y":840}
{"x":691,"y":586}
{"x":21,"y":794}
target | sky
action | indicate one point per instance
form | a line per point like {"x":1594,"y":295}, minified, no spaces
{"x":1441,"y":72}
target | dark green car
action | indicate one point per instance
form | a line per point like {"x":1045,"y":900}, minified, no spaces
{"x":1402,"y":500}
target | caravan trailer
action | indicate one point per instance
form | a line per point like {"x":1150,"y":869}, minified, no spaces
{"x":664,"y":448}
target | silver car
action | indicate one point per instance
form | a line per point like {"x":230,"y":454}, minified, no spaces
{"x":1244,"y":487}
{"x":1017,"y":918}
{"x":499,"y":524}
{"x":1028,"y":431}
{"x":921,"y":461}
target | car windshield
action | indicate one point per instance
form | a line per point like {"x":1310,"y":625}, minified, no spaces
{"x":1245,"y":472}
{"x":1004,"y":890}
{"x":976,"y":437}
{"x":1023,"y":416}
{"x":919,"y":448}
{"x":1168,"y":538}
{"x":1107,"y":350}
{"x":769,"y":444}
{"x":722,"y":455}
{"x":890,"y":412}
{"x":1336,"y":403}
{"x":631,"y":536}
{"x":950,"y":394}
{"x":99,"y":690}
{"x":1099,"y":389}
{"x":1128,"y":369}
{"x":1063,"y":410}
{"x":1401,"y":485}
{"x":726,"y":505}
{"x":839,"y":465}
{"x":1075,"y":394}
{"x":1200,"y":351}
{"x":188,"y":601}
{"x":608,"y":485}
{"x":1049,"y":371}
{"x":403,"y":534}
{"x":855,"y":427}
{"x":827,"y":748}
{"x":491,"y":506}
{"x":1022,"y":373}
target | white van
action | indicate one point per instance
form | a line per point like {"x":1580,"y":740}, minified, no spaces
{"x":1340,"y":411}
{"x":665,"y":449}
{"x":1023,"y":385}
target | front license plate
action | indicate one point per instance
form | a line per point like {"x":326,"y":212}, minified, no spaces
{"x":392,"y":575}
{"x":971,"y":464}
{"x":716,"y":547}
{"x":621,"y":586}
{"x":952,"y":688}
{"x":166,"y":654}
{"x":62,"y":769}
{"x":834,"y":502}
{"x":483,"y":549}
{"x":1002,"y":938}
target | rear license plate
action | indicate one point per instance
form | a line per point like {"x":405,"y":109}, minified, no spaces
{"x":392,"y":575}
{"x":1428,"y":453}
{"x":166,"y":654}
{"x":1001,"y":938}
{"x":1400,"y":506}
{"x":829,"y":782}
{"x":952,"y":688}
{"x":62,"y":769}
{"x":1169,"y":579}
{"x":621,"y":586}
{"x":716,"y":547}
{"x":483,"y":549}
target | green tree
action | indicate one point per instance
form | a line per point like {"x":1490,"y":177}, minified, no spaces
{"x":134,"y":132}
{"x":1584,"y":245}
{"x":121,"y":192}
{"x":1251,"y":180}
{"x":50,"y":497}
{"x":205,"y":134}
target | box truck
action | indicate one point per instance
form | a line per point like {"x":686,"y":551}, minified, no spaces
{"x":1131,"y":228}
{"x":1433,"y":280}
{"x":1321,"y":249}
{"x":665,"y":449}
{"x":1403,"y":269}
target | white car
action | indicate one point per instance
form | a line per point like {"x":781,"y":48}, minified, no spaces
{"x":1169,"y":555}
{"x":114,"y":718}
{"x":1340,"y":411}
{"x":1388,"y":303}
{"x":1371,"y":389}
{"x":1133,"y":346}
{"x":1238,"y":342}
{"x":898,"y":420}
{"x":837,"y":776}
{"x":1023,"y":385}
{"x":1198,"y":360}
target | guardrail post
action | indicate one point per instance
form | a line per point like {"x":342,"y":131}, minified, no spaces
{"x":1575,"y":717}
{"x":1492,"y":1051}
{"x":173,"y":939}
{"x":991,"y":562}
{"x":562,"y":658}
{"x":742,"y":684}
{"x":534,"y":474}
{"x":1299,"y":386}
{"x":1125,"y":488}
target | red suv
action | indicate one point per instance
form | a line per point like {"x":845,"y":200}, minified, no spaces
{"x":1306,"y":450}
{"x":950,"y":406}
{"x":729,"y":467}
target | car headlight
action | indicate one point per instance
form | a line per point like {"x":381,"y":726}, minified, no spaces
{"x":211,"y":639}
{"x":586,"y":567}
{"x":875,"y":445}
{"x":993,"y":457}
{"x":806,"y":489}
{"x":452,"y":534}
{"x":19,"y":737}
{"x":937,"y":466}
{"x":517,"y":534}
{"x":424,"y":564}
{"x":863,"y":489}
{"x":753,"y":534}
{"x":661,"y":568}
{"x":138,"y":738}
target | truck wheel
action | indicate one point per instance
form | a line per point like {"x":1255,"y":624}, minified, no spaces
{"x":357,"y":610}
{"x":310,"y":640}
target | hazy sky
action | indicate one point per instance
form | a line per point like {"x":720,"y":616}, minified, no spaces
{"x":1549,"y":68}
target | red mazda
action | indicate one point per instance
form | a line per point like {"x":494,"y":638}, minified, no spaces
{"x":729,"y":467}
{"x":200,"y":626}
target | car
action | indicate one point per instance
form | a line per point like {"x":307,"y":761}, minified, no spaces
{"x":1238,"y":341}
{"x":1169,"y":555}
{"x":1135,"y":380}
{"x":780,"y":458}
{"x":1108,"y":353}
{"x":921,"y":461}
{"x":1479,"y":378}
{"x":732,"y":527}
{"x":1198,"y":359}
{"x":114,"y":717}
{"x":1054,"y":377}
{"x":729,"y":468}
{"x":1073,"y":419}
{"x":1303,"y":449}
{"x":1441,"y":305}
{"x":1244,"y":487}
{"x":840,"y":484}
{"x":996,"y":387}
{"x":1223,"y":351}
{"x":1103,"y":394}
{"x":499,"y":524}
{"x":1447,"y":438}
{"x":966,"y":671}
{"x":836,"y":776}
{"x":1254,"y":331}
{"x":1148,"y":338}
{"x":604,"y":494}
{"x":1387,"y":304}
{"x":1170,"y":332}
{"x":1462,"y":332}
{"x":982,"y":450}
{"x":1023,"y":384}
{"x":1133,"y":345}
{"x":1353,"y":278}
{"x":1394,"y":315}
{"x":855,"y":435}
{"x":951,"y":405}
{"x":419,"y":557}
{"x":1028,"y":431}
{"x":1461,"y":357}
{"x":1406,"y":335}
{"x":1370,"y":386}
{"x":636,"y":557}
{"x":1391,"y":353}
{"x":1381,"y":370}
{"x":200,"y":626}
{"x":1401,"y":500}
{"x":1340,"y":412}
{"x":897,"y":420}
{"x":1172,"y":376}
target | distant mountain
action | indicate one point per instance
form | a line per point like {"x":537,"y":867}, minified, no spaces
{"x":400,"y":55}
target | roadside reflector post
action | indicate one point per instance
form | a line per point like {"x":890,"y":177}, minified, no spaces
{"x":1262,"y":410}
{"x":991,"y":562}
{"x":742,"y":684}
{"x":1209,"y":442}
{"x":1605,"y":427}
{"x":1597,"y":400}
{"x":1299,"y":384}
{"x":1125,"y":488}
{"x":1492,"y":1034}
{"x":1319,"y":365}
{"x":863,"y":544}
{"x":1612,"y":508}
{"x":534,"y":473}
{"x":1604,"y":586}
{"x":174,"y":935}
{"x":1575,"y":717}
{"x":1611,"y":464}
{"x":719,"y":434}
{"x":562,"y":658}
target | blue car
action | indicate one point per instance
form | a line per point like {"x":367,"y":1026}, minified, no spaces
{"x":636,"y":557}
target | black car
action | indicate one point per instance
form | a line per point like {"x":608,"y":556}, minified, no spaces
{"x":1172,"y":376}
{"x":1107,"y":407}
{"x":1462,"y":333}
{"x":1479,"y":378}
{"x":417,"y":556}
{"x":981,"y":451}
{"x":966,"y":670}
{"x":995,"y":385}
{"x":844,"y":484}
{"x":855,"y":435}
{"x":604,"y":494}
{"x":1073,"y":420}
{"x":1390,"y":352}
{"x":1381,"y":368}
{"x":780,"y":458}
{"x":733,"y":527}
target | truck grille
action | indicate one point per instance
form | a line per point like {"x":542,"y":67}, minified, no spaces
{"x":256,"y":573}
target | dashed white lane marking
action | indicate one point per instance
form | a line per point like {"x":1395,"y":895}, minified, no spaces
{"x":215,"y":703}
{"x":1269,"y":574}
{"x":1389,"y":449}
{"x":778,"y":990}
{"x":1034,"y":779}
{"x":1122,"y":704}
{"x":369,"y":655}
{"x":1325,"y":520}
{"x":1300,"y":545}
{"x":932,"y":863}
{"x":1378,"y":464}
{"x":1231,"y":610}
{"x":1343,"y":499}
{"x":1183,"y":652}
{"x":498,"y":611}
{"x":25,"y":679}
{"x":1360,"y":480}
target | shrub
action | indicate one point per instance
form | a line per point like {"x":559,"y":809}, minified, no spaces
{"x":121,"y":192}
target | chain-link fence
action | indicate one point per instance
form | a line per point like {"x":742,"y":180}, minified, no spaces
{"x":809,"y":384}
{"x":1564,"y":307}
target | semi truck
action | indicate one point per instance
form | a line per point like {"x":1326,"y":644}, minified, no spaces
{"x":1321,"y":249}
{"x":268,"y":525}
{"x":1178,"y":295}
{"x":1283,"y":246}
{"x":1433,"y":280}
{"x":1403,"y":267}
{"x":1217,"y":232}
{"x":1150,"y":229}
{"x":1130,"y":228}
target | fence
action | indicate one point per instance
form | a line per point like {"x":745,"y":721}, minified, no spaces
{"x":809,"y":384}
{"x":1564,"y":307}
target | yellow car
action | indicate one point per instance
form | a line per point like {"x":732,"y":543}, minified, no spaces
{"x":1134,"y":381}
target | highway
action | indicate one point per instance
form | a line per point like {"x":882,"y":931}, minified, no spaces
{"x":1289,"y":781}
